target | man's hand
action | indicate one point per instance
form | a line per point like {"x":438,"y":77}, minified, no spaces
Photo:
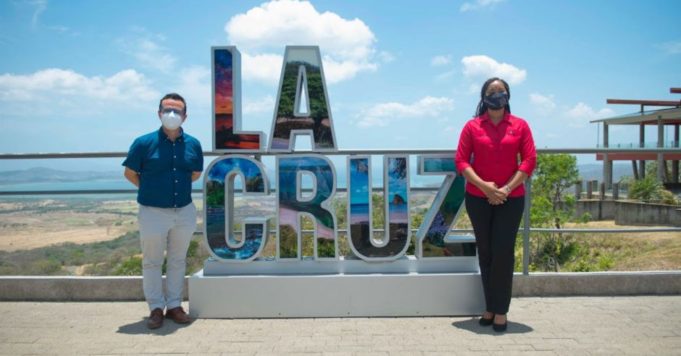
{"x":195,"y":176}
{"x":132,"y":176}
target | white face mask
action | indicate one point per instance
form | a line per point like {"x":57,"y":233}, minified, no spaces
{"x":171,"y":120}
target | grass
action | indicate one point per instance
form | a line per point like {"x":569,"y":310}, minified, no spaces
{"x":634,"y":253}
{"x":122,"y":255}
{"x":590,"y":252}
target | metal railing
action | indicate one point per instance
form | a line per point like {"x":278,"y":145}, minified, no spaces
{"x":665,"y":144}
{"x":526,"y":229}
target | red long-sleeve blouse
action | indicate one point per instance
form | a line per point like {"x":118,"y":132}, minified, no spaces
{"x":496,"y":152}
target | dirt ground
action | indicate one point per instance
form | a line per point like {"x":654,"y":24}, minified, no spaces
{"x":34,"y":225}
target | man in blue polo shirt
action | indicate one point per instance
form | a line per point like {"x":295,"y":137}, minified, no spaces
{"x":163,"y":164}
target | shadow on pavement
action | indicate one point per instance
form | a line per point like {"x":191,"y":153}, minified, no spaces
{"x":140,"y":328}
{"x":473,"y":326}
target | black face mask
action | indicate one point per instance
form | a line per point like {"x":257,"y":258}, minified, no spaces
{"x":496,"y":101}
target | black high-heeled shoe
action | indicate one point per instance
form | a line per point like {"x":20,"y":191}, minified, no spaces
{"x":499,"y":327}
{"x":486,"y":322}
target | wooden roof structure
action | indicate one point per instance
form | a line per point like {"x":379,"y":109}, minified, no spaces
{"x":668,"y":116}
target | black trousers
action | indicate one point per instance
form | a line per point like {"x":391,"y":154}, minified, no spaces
{"x":496,"y":227}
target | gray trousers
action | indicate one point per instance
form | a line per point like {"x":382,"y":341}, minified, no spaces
{"x":161,"y":230}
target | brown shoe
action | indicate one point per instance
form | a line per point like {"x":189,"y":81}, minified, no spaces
{"x":155,"y":320}
{"x":178,"y":315}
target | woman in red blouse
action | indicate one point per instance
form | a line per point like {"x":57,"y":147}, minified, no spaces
{"x":496,"y":155}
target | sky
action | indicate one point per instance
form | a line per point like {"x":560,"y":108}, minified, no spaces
{"x":86,"y":76}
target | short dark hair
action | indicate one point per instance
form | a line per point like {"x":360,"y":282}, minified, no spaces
{"x":173,"y":96}
{"x":482,"y":107}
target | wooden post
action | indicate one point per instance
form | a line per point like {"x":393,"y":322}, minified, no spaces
{"x":601,"y":191}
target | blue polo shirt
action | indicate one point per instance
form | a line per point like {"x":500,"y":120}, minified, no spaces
{"x":165,"y":168}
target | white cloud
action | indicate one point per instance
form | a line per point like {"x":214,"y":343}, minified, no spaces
{"x":67,"y":86}
{"x":152,"y":55}
{"x":381,"y":114}
{"x":40,"y":7}
{"x":441,"y":60}
{"x":148,"y":51}
{"x":263,"y":67}
{"x":262,"y":105}
{"x":543,"y":104}
{"x":581,"y":114}
{"x":478,"y":4}
{"x":673,"y":47}
{"x":337,"y":71}
{"x":262,"y":32}
{"x":481,"y":66}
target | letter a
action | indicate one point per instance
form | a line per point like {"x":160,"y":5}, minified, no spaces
{"x":302,"y":105}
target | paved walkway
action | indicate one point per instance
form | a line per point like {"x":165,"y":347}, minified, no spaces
{"x":539,"y":326}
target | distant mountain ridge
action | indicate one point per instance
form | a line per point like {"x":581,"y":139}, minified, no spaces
{"x":594,"y":171}
{"x":43,"y":174}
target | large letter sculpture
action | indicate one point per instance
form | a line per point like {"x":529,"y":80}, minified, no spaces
{"x":302,"y":85}
{"x":227,"y":135}
{"x":291,"y":204}
{"x":303,"y":109}
{"x":219,"y":209}
{"x":395,"y":239}
{"x":438,"y":221}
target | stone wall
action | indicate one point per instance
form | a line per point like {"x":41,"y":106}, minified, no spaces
{"x":597,"y":209}
{"x":636,"y":213}
{"x":630,"y":212}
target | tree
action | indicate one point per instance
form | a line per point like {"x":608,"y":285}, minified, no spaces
{"x":553,"y":175}
{"x":552,"y":208}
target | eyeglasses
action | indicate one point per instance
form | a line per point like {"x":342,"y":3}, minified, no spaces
{"x":173,"y":110}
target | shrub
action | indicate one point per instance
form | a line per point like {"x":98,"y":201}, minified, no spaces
{"x":667,"y":197}
{"x":650,"y":190}
{"x":646,"y":189}
{"x":129,"y":267}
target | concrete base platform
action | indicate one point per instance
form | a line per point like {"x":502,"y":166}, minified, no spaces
{"x":337,"y":295}
{"x":404,"y":265}
{"x":68,"y":288}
